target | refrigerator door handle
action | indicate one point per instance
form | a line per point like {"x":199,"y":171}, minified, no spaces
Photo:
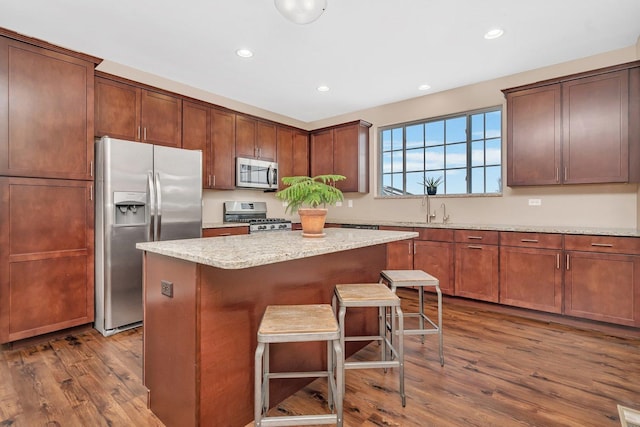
{"x":152,"y":206}
{"x":159,"y":211}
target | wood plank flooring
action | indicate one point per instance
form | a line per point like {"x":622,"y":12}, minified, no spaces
{"x":500,"y":370}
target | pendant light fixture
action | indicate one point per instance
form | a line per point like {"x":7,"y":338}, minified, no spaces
{"x":301,"y":11}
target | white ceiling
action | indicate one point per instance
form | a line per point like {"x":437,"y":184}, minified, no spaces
{"x":369,"y":52}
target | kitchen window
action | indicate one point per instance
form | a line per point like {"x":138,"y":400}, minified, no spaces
{"x":465,"y":150}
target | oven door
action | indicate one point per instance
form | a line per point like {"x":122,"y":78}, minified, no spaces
{"x":252,"y":173}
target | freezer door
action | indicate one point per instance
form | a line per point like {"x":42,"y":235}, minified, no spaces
{"x":178,"y":181}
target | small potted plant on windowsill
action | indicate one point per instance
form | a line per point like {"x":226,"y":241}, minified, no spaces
{"x":431,"y":183}
{"x":305,"y":195}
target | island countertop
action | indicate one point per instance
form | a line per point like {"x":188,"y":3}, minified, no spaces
{"x":251,"y":250}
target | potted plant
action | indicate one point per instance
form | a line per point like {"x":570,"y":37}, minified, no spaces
{"x":432,"y":184}
{"x":309,"y":196}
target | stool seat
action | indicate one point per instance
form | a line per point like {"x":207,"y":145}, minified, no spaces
{"x":299,"y":323}
{"x":410,"y":278}
{"x":366,"y":295}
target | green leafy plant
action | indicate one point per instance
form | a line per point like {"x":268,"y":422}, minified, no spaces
{"x":310,"y":191}
{"x":432,"y":182}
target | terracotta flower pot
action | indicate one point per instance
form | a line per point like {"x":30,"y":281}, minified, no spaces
{"x":312,"y":220}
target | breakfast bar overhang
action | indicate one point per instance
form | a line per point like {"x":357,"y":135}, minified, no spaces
{"x":203,"y":301}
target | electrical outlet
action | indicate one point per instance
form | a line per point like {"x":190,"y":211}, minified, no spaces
{"x":166,"y":288}
{"x":338,"y":204}
{"x":535,"y":202}
{"x":350,"y":203}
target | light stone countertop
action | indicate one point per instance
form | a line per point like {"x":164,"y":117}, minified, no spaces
{"x":251,"y":250}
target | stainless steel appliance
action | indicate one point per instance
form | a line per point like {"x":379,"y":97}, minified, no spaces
{"x":254,"y":214}
{"x":143,"y":193}
{"x":253,"y":173}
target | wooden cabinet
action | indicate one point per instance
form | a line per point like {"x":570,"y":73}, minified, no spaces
{"x":531,"y":270}
{"x":213,"y":132}
{"x":602,"y":278}
{"x":477,"y":261}
{"x":255,"y":138}
{"x":46,"y":119}
{"x":342,"y":150}
{"x":434,"y":254}
{"x":293,"y":153}
{"x":126,"y":111}
{"x":575,"y":129}
{"x":399,"y":253}
{"x":225,"y":231}
{"x":46,"y":256}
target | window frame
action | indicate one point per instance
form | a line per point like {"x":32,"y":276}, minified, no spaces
{"x":469,"y":168}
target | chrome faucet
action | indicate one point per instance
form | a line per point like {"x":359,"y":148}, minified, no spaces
{"x":445,"y":217}
{"x":430,"y":216}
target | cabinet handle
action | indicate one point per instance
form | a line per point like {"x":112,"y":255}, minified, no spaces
{"x":567,"y":262}
{"x":474,"y":237}
{"x":474,"y":247}
{"x":138,"y":133}
{"x":145,"y":134}
{"x":412,"y":249}
{"x":602,"y":245}
{"x":557,"y":175}
{"x":91,"y":169}
{"x":208,"y":180}
{"x":565,"y":173}
{"x":214,"y":181}
{"x":529,"y":240}
{"x":91,"y":192}
{"x":557,"y":261}
{"x":224,"y":234}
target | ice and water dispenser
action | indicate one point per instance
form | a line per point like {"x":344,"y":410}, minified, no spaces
{"x":130,"y":207}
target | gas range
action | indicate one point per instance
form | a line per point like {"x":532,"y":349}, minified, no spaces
{"x":254,"y":214}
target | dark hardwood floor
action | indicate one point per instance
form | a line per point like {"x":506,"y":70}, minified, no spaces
{"x":500,"y":370}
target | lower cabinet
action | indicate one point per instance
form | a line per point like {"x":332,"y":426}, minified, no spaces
{"x":46,"y":256}
{"x":477,"y":261}
{"x":602,"y":279}
{"x":399,"y":253}
{"x":531,"y":271}
{"x":433,"y":253}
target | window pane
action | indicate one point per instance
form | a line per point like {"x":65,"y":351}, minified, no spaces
{"x":386,"y":140}
{"x":386,"y":162}
{"x":456,"y":155}
{"x":386,"y":182}
{"x":494,"y":152}
{"x":435,"y":158}
{"x":494,"y":124}
{"x":494,"y":179}
{"x":397,"y":139}
{"x":477,"y":180}
{"x":415,"y":159}
{"x":414,"y":183}
{"x":415,"y":136}
{"x":456,"y":130}
{"x":435,"y":133}
{"x":397,"y":161}
{"x":456,"y":181}
{"x":477,"y":153}
{"x":477,"y":126}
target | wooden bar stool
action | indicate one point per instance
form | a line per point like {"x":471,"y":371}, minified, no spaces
{"x":419,"y":279}
{"x":374,"y":295}
{"x":299,"y":323}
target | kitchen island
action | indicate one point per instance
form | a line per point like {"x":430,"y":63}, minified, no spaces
{"x":203,"y":301}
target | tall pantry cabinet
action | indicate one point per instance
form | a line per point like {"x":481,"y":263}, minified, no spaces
{"x":46,"y":187}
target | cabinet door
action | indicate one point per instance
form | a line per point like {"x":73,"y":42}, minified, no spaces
{"x":603,"y":287}
{"x":46,"y":121}
{"x":285,"y":154}
{"x":477,"y":271}
{"x":266,"y":141}
{"x":595,"y":120}
{"x":321,"y":152}
{"x":351,"y":157}
{"x":117,"y":110}
{"x":300,"y":153}
{"x":196,"y":132}
{"x":161,"y":119}
{"x":400,"y":255}
{"x":531,"y":278}
{"x":223,"y":155}
{"x":436,"y":258}
{"x":534,"y":136}
{"x":46,"y":254}
{"x":246,"y":136}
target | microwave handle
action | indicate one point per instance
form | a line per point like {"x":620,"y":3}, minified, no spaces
{"x":272,"y":175}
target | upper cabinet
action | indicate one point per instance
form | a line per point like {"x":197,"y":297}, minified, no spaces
{"x":127,"y":111}
{"x":255,"y":138}
{"x":46,"y":122}
{"x":293,"y":153}
{"x":576,"y":129}
{"x":343,"y":150}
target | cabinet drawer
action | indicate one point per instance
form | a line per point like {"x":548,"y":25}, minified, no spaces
{"x":609,"y":244}
{"x":224,"y":231}
{"x":391,"y":228}
{"x":435,"y":234}
{"x":531,"y":240}
{"x":477,"y":236}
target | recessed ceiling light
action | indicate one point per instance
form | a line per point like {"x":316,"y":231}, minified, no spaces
{"x":424,"y":87}
{"x":244,"y":53}
{"x":494,"y":33}
{"x":323,"y":88}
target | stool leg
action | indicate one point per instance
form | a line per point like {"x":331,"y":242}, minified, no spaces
{"x":421,"y":309}
{"x":341,"y":315}
{"x":330,"y":371}
{"x":440,"y":343}
{"x":401,"y":353}
{"x":265,"y":374}
{"x":339,"y":371}
{"x":258,"y":377}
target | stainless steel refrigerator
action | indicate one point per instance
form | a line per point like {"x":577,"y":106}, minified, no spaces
{"x":144,"y":193}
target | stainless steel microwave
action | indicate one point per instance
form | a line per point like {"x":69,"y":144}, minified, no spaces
{"x":254,"y":173}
